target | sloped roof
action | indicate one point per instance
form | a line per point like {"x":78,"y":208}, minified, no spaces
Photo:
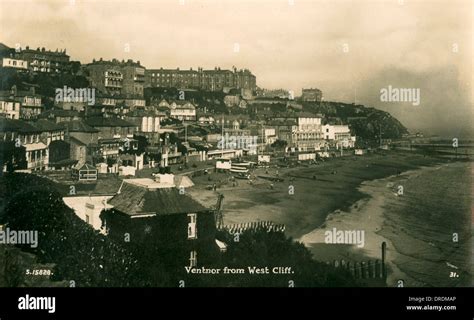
{"x":4,"y":46}
{"x":45,"y":125}
{"x":74,"y":140}
{"x":135,"y":200}
{"x":145,"y":113}
{"x":182,"y":103}
{"x":87,"y":166}
{"x":183,"y":181}
{"x":59,"y":113}
{"x":13,"y":125}
{"x":108,"y":122}
{"x":78,"y":126}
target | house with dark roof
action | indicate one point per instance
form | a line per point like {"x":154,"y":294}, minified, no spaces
{"x":83,"y":139}
{"x":157,"y":213}
{"x":59,"y":115}
{"x":9,"y":107}
{"x":112,"y":127}
{"x":30,"y":103}
{"x":53,"y":135}
{"x":27,"y":136}
{"x":84,"y":172}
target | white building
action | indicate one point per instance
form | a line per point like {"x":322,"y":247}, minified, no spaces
{"x":269,"y":135}
{"x":340,"y":134}
{"x":88,"y":208}
{"x":308,"y":135}
{"x":14,"y":63}
{"x":151,"y":123}
{"x":183,"y":110}
{"x":30,"y":105}
{"x":10,"y":108}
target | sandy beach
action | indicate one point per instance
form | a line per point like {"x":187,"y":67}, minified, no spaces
{"x":313,"y":199}
{"x":348,"y":194}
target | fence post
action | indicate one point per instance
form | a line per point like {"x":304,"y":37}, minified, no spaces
{"x":370,"y":267}
{"x":363,"y":269}
{"x":377,"y":273}
{"x":384,"y":248}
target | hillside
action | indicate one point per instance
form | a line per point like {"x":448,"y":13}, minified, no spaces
{"x":367,"y":123}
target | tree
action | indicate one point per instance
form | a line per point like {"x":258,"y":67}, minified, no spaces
{"x":279,"y":144}
{"x":12,"y":155}
{"x":261,"y":249}
{"x":79,"y":252}
{"x":111,"y":162}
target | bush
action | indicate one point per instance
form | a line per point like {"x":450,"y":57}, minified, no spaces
{"x":79,"y":252}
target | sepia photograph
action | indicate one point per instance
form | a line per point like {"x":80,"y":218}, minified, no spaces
{"x":238,"y":143}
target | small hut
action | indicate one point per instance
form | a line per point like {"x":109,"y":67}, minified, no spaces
{"x":85,"y":172}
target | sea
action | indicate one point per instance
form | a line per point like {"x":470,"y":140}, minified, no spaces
{"x":430,"y":224}
{"x":425,"y":217}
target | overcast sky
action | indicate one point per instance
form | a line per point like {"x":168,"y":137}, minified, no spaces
{"x":348,"y":49}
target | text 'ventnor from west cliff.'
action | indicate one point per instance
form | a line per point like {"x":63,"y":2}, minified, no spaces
{"x":246,"y":270}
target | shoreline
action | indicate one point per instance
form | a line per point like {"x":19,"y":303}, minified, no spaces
{"x":330,"y":200}
{"x":366,"y":214}
{"x":313,"y":200}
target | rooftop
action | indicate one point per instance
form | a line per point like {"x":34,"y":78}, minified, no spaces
{"x":13,"y":125}
{"x":108,"y":122}
{"x":135,"y":200}
{"x":45,"y":125}
{"x":59,"y":113}
{"x":78,"y":126}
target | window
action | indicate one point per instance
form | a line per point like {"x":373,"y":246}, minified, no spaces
{"x":327,"y":130}
{"x":87,"y":219}
{"x":192,"y":230}
{"x":193,"y":259}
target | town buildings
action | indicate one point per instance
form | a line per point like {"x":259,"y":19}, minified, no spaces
{"x":339,"y":134}
{"x":216,"y":79}
{"x":14,"y":63}
{"x":302,"y":131}
{"x":126,"y":78}
{"x":84,"y":140}
{"x":34,"y":137}
{"x":17,"y":104}
{"x":180,"y":109}
{"x":9,"y":107}
{"x":37,"y":60}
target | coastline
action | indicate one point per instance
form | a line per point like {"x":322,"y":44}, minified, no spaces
{"x":407,"y":256}
{"x":366,"y":214}
{"x":313,"y":200}
{"x":352,"y":198}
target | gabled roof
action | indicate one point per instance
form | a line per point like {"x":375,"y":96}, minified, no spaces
{"x":74,"y":140}
{"x":87,"y":166}
{"x":134,"y":200}
{"x":78,"y":126}
{"x":13,"y":125}
{"x":45,"y":125}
